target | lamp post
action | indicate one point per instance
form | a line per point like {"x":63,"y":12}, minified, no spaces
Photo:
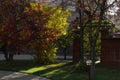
{"x":89,"y":63}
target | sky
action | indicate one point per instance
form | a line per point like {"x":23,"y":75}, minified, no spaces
{"x":112,"y":11}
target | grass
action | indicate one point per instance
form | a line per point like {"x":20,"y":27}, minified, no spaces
{"x":60,"y":71}
{"x":55,"y":71}
{"x":107,"y":73}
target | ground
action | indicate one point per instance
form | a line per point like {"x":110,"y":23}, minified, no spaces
{"x":60,"y":70}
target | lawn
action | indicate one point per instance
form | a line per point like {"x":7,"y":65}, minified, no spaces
{"x":60,"y":70}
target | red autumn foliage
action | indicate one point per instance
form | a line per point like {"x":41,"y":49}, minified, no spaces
{"x":29,"y":32}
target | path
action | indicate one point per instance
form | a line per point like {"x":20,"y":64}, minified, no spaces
{"x":8,"y":75}
{"x":29,"y":57}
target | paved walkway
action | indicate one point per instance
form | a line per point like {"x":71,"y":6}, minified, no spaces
{"x":8,"y":75}
{"x":29,"y":57}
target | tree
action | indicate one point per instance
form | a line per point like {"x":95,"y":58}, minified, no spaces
{"x":90,"y":10}
{"x":95,"y":8}
{"x":35,"y":31}
{"x":10,"y":12}
{"x":114,"y":13}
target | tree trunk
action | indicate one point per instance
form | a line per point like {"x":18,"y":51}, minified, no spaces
{"x":6,"y":55}
{"x":81,"y":33}
{"x":10,"y":57}
{"x":92,"y":56}
{"x":65,"y":53}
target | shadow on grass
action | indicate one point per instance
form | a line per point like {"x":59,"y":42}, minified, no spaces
{"x":16,"y":65}
{"x":62,"y":72}
{"x":55,"y":71}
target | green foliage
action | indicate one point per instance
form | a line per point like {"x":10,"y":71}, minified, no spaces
{"x":104,"y":24}
{"x":95,"y":25}
{"x":65,"y":40}
{"x":51,"y":52}
{"x":87,"y":44}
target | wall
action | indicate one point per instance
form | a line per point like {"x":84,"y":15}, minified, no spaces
{"x":110,"y":50}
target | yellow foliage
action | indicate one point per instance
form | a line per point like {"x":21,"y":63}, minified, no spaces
{"x":58,"y":20}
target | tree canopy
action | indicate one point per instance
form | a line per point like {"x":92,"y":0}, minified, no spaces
{"x":32,"y":27}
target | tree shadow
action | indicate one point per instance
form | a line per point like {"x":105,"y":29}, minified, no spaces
{"x":16,"y":65}
{"x":64,"y":72}
{"x":55,"y":71}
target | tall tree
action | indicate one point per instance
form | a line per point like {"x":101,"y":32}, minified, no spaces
{"x":10,"y":11}
{"x":33,"y":28}
{"x":96,"y":8}
{"x":89,"y":11}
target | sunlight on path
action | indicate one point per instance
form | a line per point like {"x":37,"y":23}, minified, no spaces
{"x":7,"y":75}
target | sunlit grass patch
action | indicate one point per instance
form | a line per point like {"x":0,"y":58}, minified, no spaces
{"x":44,"y":67}
{"x":60,"y":70}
